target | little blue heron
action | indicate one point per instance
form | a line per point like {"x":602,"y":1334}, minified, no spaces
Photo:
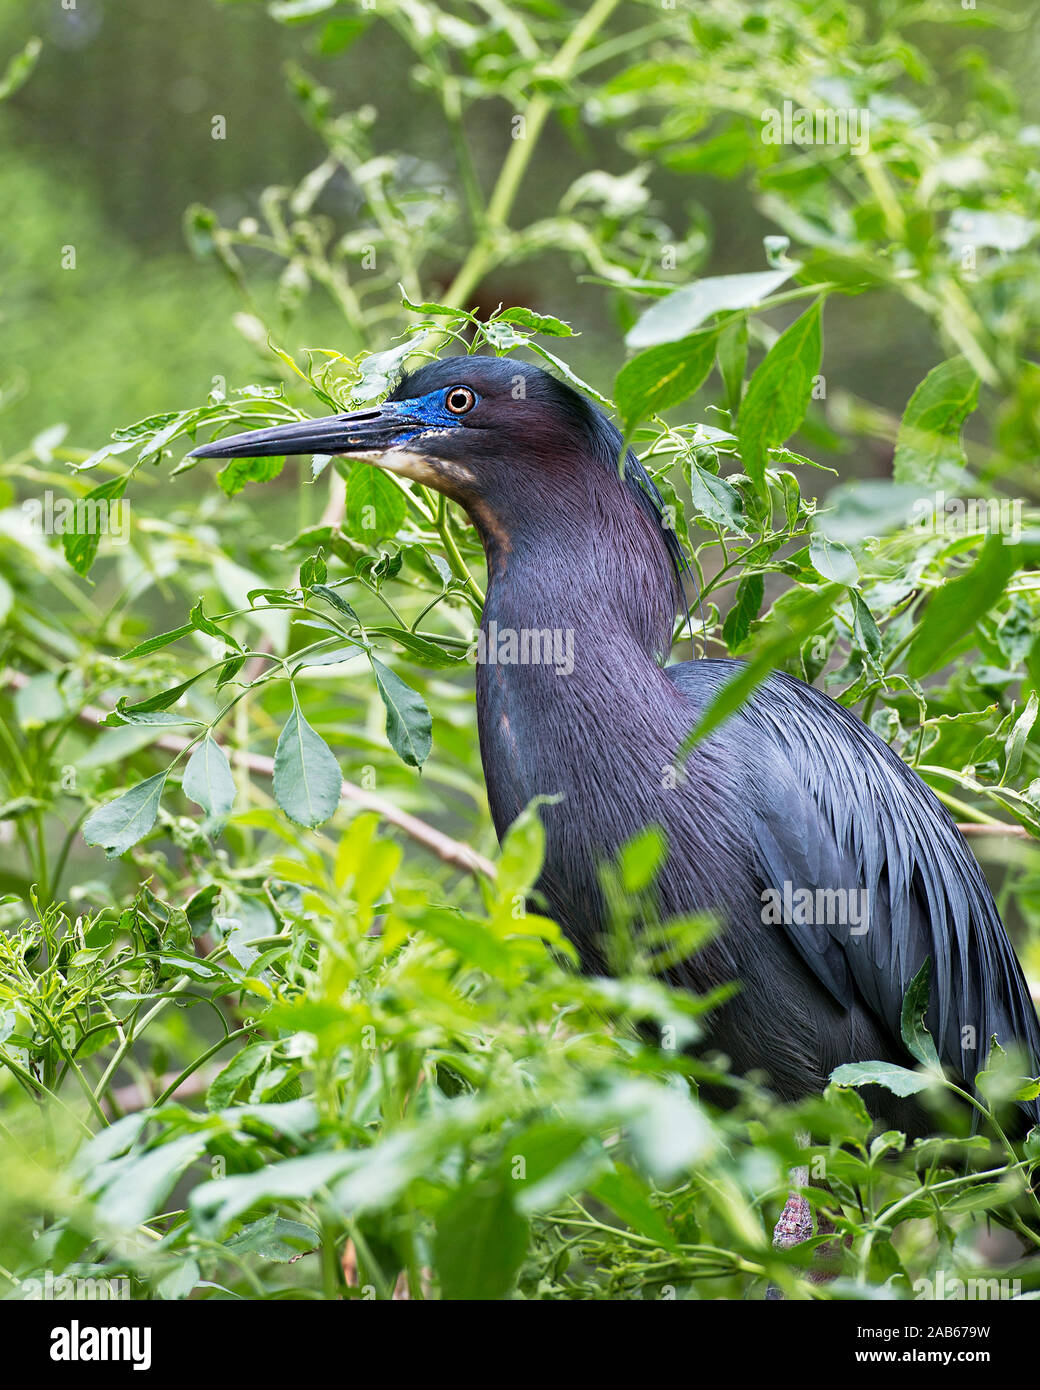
{"x":792,"y":793}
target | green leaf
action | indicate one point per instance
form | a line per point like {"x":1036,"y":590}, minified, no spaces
{"x":293,"y":11}
{"x":334,"y":597}
{"x":1019,"y":736}
{"x":139,"y":1184}
{"x":680,"y":312}
{"x":569,"y":374}
{"x":627,"y":1197}
{"x":865,"y":629}
{"x":480,"y":1243}
{"x":429,"y":652}
{"x":81,"y":547}
{"x":958,"y":605}
{"x":794,"y":618}
{"x":237,"y":472}
{"x":640,"y":858}
{"x":201,"y":623}
{"x":523,"y":851}
{"x":208,"y":780}
{"x":307,"y":779}
{"x":376,"y":506}
{"x":928,"y":445}
{"x":778,"y":393}
{"x":314,"y":570}
{"x":912,"y":1027}
{"x":716,"y":500}
{"x":123,"y":822}
{"x":899,"y":1080}
{"x":163,"y":700}
{"x":536,"y":323}
{"x":665,"y":376}
{"x":275,"y":1238}
{"x":732,"y":359}
{"x":153,"y":644}
{"x":19,"y":68}
{"x":833,"y":560}
{"x":746,"y":604}
{"x":408,"y":724}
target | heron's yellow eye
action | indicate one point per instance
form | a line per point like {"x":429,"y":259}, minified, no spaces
{"x":460,"y":399}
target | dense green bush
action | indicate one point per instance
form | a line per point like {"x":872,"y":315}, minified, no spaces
{"x":298,"y":1037}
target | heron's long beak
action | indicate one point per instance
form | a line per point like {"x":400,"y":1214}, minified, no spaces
{"x":358,"y":432}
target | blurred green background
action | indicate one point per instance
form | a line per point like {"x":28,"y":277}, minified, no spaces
{"x":110,"y":141}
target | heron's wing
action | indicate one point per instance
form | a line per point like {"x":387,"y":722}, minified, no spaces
{"x":832,"y":807}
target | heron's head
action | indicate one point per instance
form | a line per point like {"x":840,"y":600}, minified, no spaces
{"x":514,"y":445}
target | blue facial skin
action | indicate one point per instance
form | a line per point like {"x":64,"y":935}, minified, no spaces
{"x":429,"y":411}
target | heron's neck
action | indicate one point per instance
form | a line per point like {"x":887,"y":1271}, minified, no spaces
{"x":578,"y":617}
{"x":585,"y":560}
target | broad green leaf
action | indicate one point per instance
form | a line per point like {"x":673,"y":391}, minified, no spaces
{"x":139,"y":1184}
{"x":536,"y":323}
{"x":379,"y":369}
{"x":928,"y":446}
{"x":640,"y":858}
{"x":376,"y":506}
{"x":275,"y":1238}
{"x":778,"y":393}
{"x":955,"y":608}
{"x":523,"y":851}
{"x":912,"y":1026}
{"x":207,"y":779}
{"x":408,"y":724}
{"x":307,"y":779}
{"x":480,"y":1243}
{"x":899,"y":1080}
{"x":81,"y":545}
{"x":746,"y":605}
{"x":833,"y":560}
{"x":314,"y":570}
{"x":242,"y":1067}
{"x":664,"y":376}
{"x":121,"y":823}
{"x":680,"y":312}
{"x":163,"y":700}
{"x":716,"y":500}
{"x":237,"y":472}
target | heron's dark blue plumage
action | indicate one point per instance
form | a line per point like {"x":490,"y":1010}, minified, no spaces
{"x":792,"y":790}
